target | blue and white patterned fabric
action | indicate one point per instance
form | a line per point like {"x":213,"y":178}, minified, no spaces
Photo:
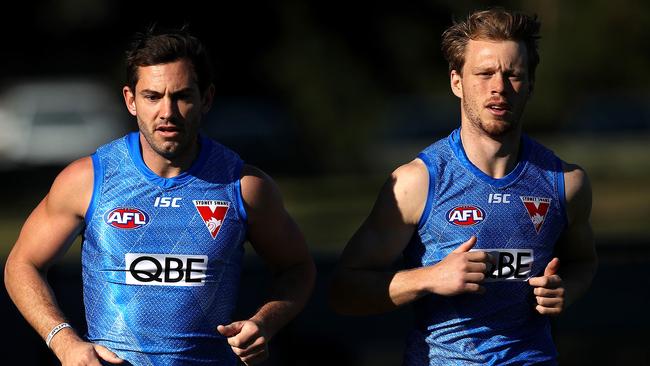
{"x":162,"y":257}
{"x":517,"y":218}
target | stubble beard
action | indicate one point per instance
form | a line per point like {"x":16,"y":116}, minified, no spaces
{"x":170,"y":150}
{"x":494,"y":128}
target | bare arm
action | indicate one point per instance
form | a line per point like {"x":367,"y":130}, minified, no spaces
{"x":364,"y":282}
{"x":569,"y":276}
{"x":45,"y":237}
{"x":279,"y":242}
{"x":576,"y":248}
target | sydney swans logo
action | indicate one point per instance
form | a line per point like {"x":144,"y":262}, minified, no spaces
{"x":537,"y":208}
{"x":212,"y":212}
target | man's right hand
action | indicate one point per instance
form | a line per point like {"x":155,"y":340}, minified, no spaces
{"x":80,"y":353}
{"x":459,"y":272}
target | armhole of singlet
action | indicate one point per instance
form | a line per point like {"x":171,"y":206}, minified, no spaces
{"x":98,"y":176}
{"x":431,"y":191}
{"x":241,"y":209}
{"x":561,"y":192}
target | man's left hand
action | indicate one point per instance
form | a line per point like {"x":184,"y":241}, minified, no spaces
{"x":549,"y":290}
{"x":247,"y":340}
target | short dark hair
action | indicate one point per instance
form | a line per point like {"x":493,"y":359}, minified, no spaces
{"x":158,"y":45}
{"x":495,"y":24}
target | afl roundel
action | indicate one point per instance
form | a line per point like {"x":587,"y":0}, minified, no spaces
{"x":465,"y":215}
{"x":126,"y":218}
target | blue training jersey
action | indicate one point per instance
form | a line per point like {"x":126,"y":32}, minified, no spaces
{"x":162,"y":257}
{"x":518,"y":219}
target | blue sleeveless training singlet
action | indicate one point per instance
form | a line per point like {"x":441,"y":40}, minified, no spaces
{"x":162,"y":257}
{"x":518,"y":219}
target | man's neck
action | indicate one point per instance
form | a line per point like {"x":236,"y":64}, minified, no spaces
{"x":494,"y":156}
{"x":168,"y":168}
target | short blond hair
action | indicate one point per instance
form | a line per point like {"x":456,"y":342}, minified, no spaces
{"x":495,"y":24}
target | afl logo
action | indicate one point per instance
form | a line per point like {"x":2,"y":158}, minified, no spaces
{"x":126,"y":218}
{"x":466,"y":215}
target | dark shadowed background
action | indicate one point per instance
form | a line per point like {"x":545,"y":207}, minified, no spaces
{"x":328,"y":97}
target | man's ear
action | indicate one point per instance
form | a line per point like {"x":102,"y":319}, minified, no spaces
{"x":207,"y":98}
{"x":129,"y":99}
{"x":456,"y":83}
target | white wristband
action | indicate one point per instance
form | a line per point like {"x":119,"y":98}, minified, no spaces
{"x":54,"y":331}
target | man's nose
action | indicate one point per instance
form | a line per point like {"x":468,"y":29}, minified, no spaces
{"x":167,"y":108}
{"x":498,"y":83}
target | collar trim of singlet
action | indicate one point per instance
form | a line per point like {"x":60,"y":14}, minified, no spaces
{"x":133,"y":144}
{"x":457,"y":147}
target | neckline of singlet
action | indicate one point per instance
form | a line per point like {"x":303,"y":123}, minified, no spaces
{"x":457,"y":147}
{"x":133,"y":145}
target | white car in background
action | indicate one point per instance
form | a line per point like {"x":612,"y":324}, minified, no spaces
{"x":53,"y":122}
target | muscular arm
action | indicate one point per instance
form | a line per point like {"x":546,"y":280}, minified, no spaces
{"x":364,"y":282}
{"x":278,"y":241}
{"x":576,"y":249}
{"x":45,"y":237}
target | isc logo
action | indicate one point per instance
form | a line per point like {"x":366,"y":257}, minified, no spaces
{"x":167,"y":202}
{"x":509,"y":264}
{"x":499,"y":198}
{"x":466,"y":215}
{"x":126,"y":218}
{"x":165,"y":270}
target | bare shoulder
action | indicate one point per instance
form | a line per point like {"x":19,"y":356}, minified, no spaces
{"x":577,"y":190}
{"x":410,"y":185}
{"x":258,"y":189}
{"x":392,"y":221}
{"x":48,"y":231}
{"x":72,"y":188}
{"x":80,"y":169}
{"x":413,"y":174}
{"x":271,"y":230}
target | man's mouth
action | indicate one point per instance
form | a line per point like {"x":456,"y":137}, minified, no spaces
{"x":498,"y":108}
{"x":168,"y":130}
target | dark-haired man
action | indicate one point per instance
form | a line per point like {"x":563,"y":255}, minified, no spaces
{"x":164,"y":213}
{"x":483,"y":218}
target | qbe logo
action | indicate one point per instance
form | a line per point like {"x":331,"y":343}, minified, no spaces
{"x":165,"y":270}
{"x":465,"y":215}
{"x":126,"y":218}
{"x":508,"y":264}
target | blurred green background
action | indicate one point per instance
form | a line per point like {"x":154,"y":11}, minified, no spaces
{"x":329,"y":97}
